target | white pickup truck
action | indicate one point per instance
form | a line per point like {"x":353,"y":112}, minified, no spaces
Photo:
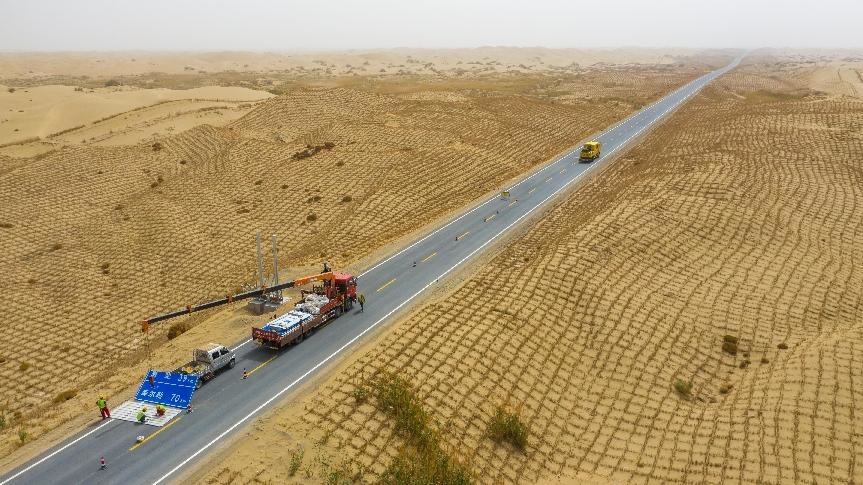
{"x":207,"y":361}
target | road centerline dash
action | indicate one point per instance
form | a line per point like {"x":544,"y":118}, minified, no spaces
{"x":153,"y":435}
{"x":386,"y":284}
{"x":459,"y":238}
{"x":428,"y":257}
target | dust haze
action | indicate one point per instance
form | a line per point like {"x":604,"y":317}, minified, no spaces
{"x":52,"y":25}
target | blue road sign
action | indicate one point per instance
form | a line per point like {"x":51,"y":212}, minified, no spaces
{"x":167,"y":388}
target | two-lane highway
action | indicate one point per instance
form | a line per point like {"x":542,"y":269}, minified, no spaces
{"x":228,"y":402}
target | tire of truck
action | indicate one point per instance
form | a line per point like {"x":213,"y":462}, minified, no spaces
{"x":338,"y":312}
{"x":232,"y":363}
{"x":199,"y":383}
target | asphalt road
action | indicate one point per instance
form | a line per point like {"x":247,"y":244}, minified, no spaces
{"x":227,"y":403}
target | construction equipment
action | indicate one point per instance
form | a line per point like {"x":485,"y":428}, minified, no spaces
{"x":206,"y":361}
{"x":590,"y":151}
{"x":323,"y":303}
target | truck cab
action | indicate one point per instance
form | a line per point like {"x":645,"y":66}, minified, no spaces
{"x":208,"y":360}
{"x":217,"y":356}
{"x":590,"y":151}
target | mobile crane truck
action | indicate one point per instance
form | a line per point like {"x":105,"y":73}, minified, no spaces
{"x":323,"y":303}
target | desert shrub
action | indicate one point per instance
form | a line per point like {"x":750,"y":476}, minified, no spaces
{"x":258,"y":182}
{"x":765,"y":360}
{"x":507,"y":426}
{"x":106,"y":268}
{"x":23,"y":366}
{"x":111,"y":82}
{"x":683,"y":387}
{"x":65,"y":395}
{"x":725,"y":388}
{"x":79,"y":89}
{"x":183,"y":162}
{"x":157,"y":146}
{"x":329,"y":145}
{"x":340,"y":163}
{"x":745,"y":364}
{"x":312,"y":217}
{"x":296,"y":461}
{"x":23,"y":436}
{"x":396,"y":398}
{"x":347,"y":198}
{"x":284,"y":186}
{"x":729,"y":344}
{"x":411,"y":467}
{"x":2,"y":419}
{"x":361,"y":394}
{"x":176,"y":330}
{"x":6,"y":225}
{"x":56,"y":247}
{"x":242,"y":210}
{"x":782,"y":346}
{"x":31,"y":281}
{"x":11,"y":90}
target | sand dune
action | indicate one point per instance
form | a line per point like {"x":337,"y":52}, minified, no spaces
{"x":724,"y":252}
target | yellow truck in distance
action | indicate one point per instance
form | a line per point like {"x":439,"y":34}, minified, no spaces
{"x":590,"y":151}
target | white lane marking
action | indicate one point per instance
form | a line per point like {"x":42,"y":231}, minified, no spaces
{"x":173,"y":470}
{"x":243,"y":343}
{"x":351,"y":341}
{"x":631,"y":118}
{"x":13,"y":477}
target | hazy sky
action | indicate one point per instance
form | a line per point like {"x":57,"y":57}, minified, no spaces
{"x":338,"y":24}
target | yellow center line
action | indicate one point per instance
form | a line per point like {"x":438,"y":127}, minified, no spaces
{"x":463,"y":235}
{"x":429,"y":257}
{"x":386,"y":284}
{"x":148,"y":438}
{"x":261,"y":365}
{"x":531,"y":190}
{"x":512,"y":203}
{"x":490,"y":217}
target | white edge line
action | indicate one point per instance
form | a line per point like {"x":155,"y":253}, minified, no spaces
{"x":13,"y":477}
{"x":629,"y":118}
{"x":351,"y":341}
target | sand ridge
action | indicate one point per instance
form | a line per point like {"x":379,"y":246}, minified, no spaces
{"x":124,"y":231}
{"x":730,"y":222}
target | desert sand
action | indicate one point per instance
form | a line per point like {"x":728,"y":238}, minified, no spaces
{"x":692,"y":315}
{"x":99,"y":234}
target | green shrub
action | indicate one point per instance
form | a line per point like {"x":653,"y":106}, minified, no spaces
{"x":683,"y":387}
{"x":782,"y":346}
{"x":65,"y":396}
{"x":729,"y":344}
{"x":23,"y":366}
{"x":23,"y":435}
{"x":421,"y":461}
{"x":507,"y":426}
{"x":361,"y":394}
{"x":413,"y":468}
{"x":296,"y":461}
{"x":312,"y":217}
